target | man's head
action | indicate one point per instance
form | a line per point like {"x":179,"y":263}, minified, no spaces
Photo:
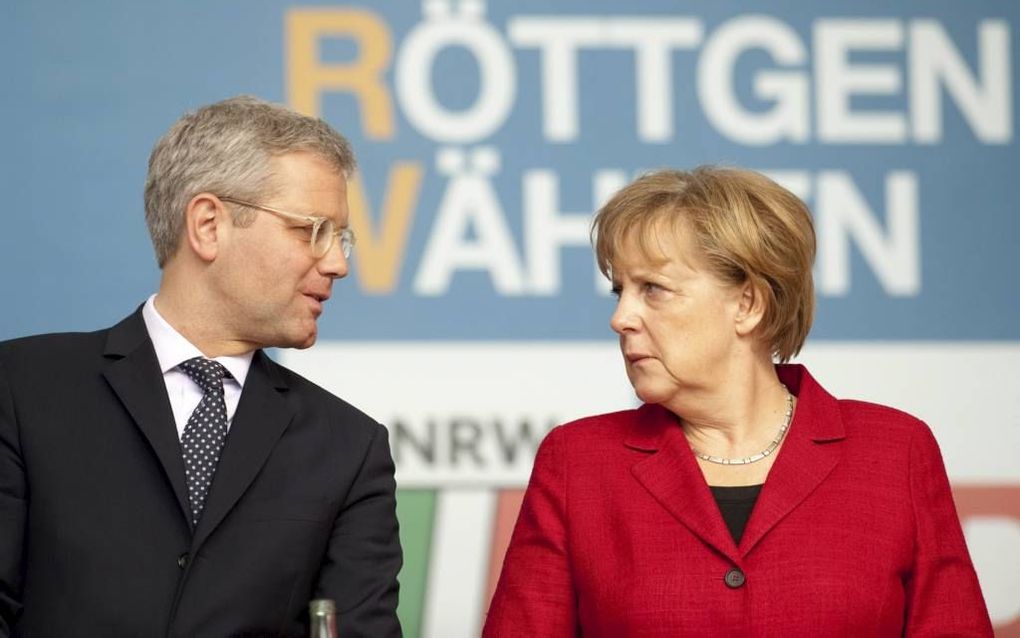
{"x":227,"y":148}
{"x":240,"y":200}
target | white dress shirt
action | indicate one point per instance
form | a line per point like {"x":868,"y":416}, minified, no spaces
{"x":173,"y":349}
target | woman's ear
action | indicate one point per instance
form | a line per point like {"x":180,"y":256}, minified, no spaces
{"x":750,"y":308}
{"x":203,"y":219}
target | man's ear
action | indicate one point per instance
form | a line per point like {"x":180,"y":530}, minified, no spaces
{"x":203,"y":225}
{"x":750,"y":308}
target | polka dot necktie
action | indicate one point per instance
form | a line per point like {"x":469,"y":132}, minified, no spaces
{"x":205,"y":432}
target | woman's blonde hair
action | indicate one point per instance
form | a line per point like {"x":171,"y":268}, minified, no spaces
{"x":749,"y":228}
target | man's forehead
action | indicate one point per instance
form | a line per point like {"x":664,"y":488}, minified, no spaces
{"x":310,"y":181}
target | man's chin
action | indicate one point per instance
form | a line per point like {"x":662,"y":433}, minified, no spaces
{"x":308,"y":341}
{"x":298,"y":340}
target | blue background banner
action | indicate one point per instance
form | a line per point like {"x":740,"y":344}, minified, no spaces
{"x":847,"y":99}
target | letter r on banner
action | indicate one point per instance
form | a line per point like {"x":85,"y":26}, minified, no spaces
{"x":308,"y":77}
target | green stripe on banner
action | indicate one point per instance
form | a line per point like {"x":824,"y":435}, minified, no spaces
{"x":415,"y":511}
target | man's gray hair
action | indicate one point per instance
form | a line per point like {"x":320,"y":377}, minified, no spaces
{"x":226,"y":149}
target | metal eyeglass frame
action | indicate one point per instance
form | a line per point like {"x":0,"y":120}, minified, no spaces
{"x":345,"y":235}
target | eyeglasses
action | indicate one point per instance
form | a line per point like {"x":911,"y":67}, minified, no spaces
{"x":324,"y":229}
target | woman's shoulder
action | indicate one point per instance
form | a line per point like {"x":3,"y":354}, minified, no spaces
{"x":880,"y":431}
{"x":598,"y":445}
{"x":597,"y":425}
{"x":852,"y":416}
{"x":865,"y":414}
{"x":629,"y":427}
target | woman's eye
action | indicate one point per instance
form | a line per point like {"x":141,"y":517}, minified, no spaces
{"x":615,"y":291}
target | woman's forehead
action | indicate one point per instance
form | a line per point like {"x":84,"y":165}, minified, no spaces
{"x":656,"y":245}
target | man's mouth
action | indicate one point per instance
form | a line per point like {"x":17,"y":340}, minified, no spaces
{"x":320,"y":297}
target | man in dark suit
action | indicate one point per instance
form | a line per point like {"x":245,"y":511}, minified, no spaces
{"x":164,"y":477}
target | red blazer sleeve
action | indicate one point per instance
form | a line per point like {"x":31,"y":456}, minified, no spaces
{"x":535,"y":595}
{"x":943,"y":595}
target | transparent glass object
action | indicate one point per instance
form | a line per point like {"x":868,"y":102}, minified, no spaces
{"x":323,"y":617}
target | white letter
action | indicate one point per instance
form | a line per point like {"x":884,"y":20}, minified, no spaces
{"x":469,"y":201}
{"x":653,"y":41}
{"x":838,"y":80}
{"x":497,"y":75}
{"x":547,"y":230}
{"x":559,"y":39}
{"x":987,"y":106}
{"x":797,"y":182}
{"x":788,"y":118}
{"x":841,"y":214}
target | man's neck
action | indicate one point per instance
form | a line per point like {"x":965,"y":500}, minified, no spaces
{"x":198,"y":324}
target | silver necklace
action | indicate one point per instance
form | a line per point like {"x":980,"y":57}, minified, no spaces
{"x":754,"y":458}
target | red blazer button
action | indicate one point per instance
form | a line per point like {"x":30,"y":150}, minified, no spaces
{"x":735,"y":578}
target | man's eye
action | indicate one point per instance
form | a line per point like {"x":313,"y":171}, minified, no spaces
{"x":615,"y":291}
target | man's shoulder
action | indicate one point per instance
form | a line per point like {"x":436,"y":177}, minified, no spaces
{"x":321,"y":401}
{"x":58,"y":362}
{"x":55,"y":344}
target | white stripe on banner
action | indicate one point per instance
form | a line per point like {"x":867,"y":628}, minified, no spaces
{"x":462,"y":405}
{"x":994,"y":542}
{"x":968,"y":393}
{"x":459,"y":563}
{"x":469,"y":414}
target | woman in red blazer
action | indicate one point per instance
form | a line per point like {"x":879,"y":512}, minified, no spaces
{"x":741,"y":499}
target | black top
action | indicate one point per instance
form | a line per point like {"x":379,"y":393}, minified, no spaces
{"x":736,"y":504}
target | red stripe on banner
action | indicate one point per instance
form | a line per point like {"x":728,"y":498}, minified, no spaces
{"x":507,"y":506}
{"x":990,"y":500}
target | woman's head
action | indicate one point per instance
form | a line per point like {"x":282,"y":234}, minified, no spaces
{"x":747,"y":229}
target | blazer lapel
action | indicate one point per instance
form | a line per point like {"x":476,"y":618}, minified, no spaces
{"x":262,"y":416}
{"x":809,"y":454}
{"x":672,"y":476}
{"x":132,"y":370}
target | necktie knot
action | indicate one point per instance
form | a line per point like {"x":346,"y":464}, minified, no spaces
{"x":208,"y":374}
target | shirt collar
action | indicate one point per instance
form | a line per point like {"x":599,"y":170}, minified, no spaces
{"x":172,"y":348}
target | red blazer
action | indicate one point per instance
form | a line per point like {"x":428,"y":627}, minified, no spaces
{"x":853,"y":534}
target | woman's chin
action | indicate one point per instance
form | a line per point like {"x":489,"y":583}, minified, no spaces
{"x":651,"y":394}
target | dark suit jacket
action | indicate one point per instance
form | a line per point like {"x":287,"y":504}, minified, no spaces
{"x":94,"y":534}
{"x":854,"y":534}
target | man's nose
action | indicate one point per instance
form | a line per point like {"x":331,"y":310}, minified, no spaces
{"x":333,"y":264}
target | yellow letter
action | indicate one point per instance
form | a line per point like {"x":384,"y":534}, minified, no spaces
{"x":380,"y":254}
{"x":308,"y":77}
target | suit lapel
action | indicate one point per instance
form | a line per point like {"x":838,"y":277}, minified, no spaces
{"x":672,"y":476}
{"x":809,"y":454}
{"x":262,"y":416}
{"x":133,"y":372}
